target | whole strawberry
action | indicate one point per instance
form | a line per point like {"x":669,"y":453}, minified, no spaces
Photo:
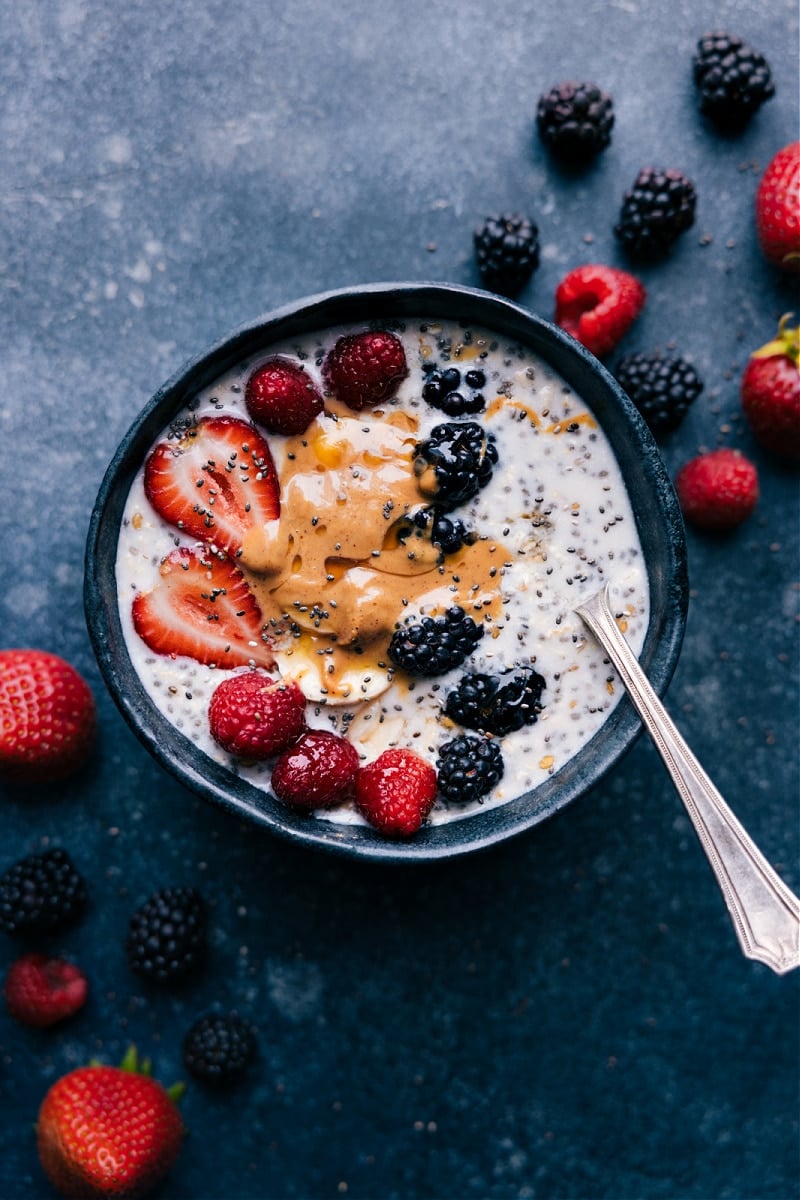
{"x":41,"y":991}
{"x":281,"y":396}
{"x":108,"y":1131}
{"x":318,"y":771}
{"x":717,"y":491}
{"x":365,"y":369}
{"x":254,"y":716}
{"x":396,"y":792}
{"x":598,"y":304}
{"x":778,"y":209}
{"x":770,"y":392}
{"x":47,"y":717}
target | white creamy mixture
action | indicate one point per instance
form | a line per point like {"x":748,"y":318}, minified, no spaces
{"x":556,"y":503}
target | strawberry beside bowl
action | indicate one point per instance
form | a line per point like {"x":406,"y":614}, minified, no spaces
{"x":476,"y":473}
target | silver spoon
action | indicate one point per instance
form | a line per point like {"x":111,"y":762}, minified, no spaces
{"x":765,"y":913}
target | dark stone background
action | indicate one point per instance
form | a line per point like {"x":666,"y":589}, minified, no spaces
{"x":568,"y":1015}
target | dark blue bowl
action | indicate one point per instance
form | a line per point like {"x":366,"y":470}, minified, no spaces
{"x":658,"y":518}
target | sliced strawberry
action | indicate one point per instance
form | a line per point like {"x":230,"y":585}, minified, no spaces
{"x":203,"y":608}
{"x":217,"y":481}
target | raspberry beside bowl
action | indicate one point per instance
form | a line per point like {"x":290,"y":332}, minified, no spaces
{"x":658,"y":521}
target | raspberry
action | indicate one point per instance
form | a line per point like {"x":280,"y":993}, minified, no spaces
{"x":484,"y":702}
{"x":661,"y":388}
{"x":507,"y":250}
{"x":455,"y":462}
{"x":218,"y":1049}
{"x":40,"y":893}
{"x":167,"y":935}
{"x":396,"y":792}
{"x":655,"y":211}
{"x":318,"y":771}
{"x":598,"y":304}
{"x":254,"y":716}
{"x":365,"y":369}
{"x":733,"y":79}
{"x":469,"y":767}
{"x":280,"y":396}
{"x":436,"y":644}
{"x":41,"y":991}
{"x":575,"y":120}
{"x":717,"y":491}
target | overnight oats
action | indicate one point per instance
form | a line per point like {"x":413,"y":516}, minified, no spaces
{"x":347,"y":571}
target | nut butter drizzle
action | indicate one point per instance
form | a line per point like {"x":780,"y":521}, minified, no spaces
{"x":336,"y":571}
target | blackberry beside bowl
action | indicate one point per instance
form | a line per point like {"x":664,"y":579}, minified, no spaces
{"x":659,"y":527}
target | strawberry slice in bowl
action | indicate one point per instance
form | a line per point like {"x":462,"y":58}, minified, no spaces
{"x":216,"y":482}
{"x":202,"y":608}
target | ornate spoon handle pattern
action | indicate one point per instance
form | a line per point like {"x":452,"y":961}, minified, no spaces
{"x":765,"y":913}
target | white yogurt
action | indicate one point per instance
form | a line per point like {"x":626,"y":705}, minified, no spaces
{"x":556,"y":501}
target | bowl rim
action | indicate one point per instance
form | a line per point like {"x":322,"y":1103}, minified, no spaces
{"x":387,"y":302}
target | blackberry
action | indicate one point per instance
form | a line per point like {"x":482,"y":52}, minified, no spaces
{"x":507,"y":250}
{"x":734,"y":80}
{"x":167,"y":935}
{"x":441,"y":391}
{"x":455,"y":462}
{"x":655,"y":211}
{"x":435,"y":644}
{"x":218,"y":1049}
{"x":484,"y":702}
{"x":446,"y":532}
{"x":40,"y":893}
{"x":661,"y":388}
{"x":575,"y":120}
{"x":469,"y":767}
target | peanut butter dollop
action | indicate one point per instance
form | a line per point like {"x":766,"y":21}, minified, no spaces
{"x":342,"y":565}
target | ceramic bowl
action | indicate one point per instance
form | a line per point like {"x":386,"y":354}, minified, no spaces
{"x":660,"y":529}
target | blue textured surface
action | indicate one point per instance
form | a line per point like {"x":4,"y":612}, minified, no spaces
{"x":568,"y":1015}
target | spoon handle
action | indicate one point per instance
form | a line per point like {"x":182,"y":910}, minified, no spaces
{"x":765,"y":913}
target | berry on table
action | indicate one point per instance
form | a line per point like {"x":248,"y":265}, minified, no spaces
{"x":109,"y":1131}
{"x":655,"y":212}
{"x":396,"y":792}
{"x":435,"y":644}
{"x":778,"y":209}
{"x":733,"y":79}
{"x":469,"y":767}
{"x":48,"y":717}
{"x":167,"y":935}
{"x":507,"y":251}
{"x":718,"y":490}
{"x":455,"y":462}
{"x":255,"y":716}
{"x":365,"y":369}
{"x":662,"y":387}
{"x":41,"y":893}
{"x":597,"y":305}
{"x":575,"y":120}
{"x":219,"y":1048}
{"x":770,"y":392}
{"x":282,"y":397}
{"x":487,"y":703}
{"x":318,"y":771}
{"x":42,"y":991}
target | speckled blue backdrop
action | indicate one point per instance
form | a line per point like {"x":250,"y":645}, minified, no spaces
{"x":568,"y":1015}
